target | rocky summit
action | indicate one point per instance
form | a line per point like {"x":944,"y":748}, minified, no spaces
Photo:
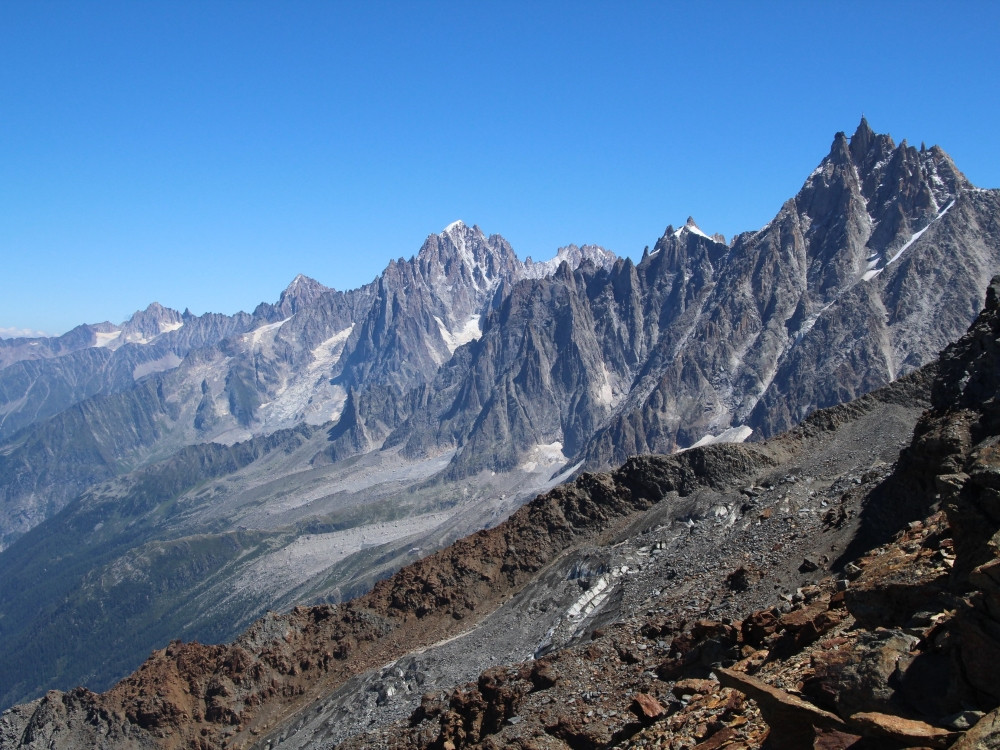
{"x":184,"y":479}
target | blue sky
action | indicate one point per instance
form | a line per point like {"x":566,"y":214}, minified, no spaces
{"x":201,"y":154}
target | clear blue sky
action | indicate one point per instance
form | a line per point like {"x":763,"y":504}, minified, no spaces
{"x":202,"y":153}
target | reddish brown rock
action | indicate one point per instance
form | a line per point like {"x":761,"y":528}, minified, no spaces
{"x":823,"y":686}
{"x":832,"y":739}
{"x":793,"y":721}
{"x":723,"y":738}
{"x":695,"y":651}
{"x":543,"y":675}
{"x":805,"y":626}
{"x":907,"y":732}
{"x":647,"y":708}
{"x":759,"y":625}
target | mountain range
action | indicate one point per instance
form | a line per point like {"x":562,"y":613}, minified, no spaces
{"x":176,"y":476}
{"x":660,"y":605}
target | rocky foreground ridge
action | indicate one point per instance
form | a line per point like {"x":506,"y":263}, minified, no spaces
{"x":744,"y":643}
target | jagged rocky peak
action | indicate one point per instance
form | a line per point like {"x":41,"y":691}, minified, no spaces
{"x":865,"y":203}
{"x":141,"y":328}
{"x":679,"y":248}
{"x":681,"y":233}
{"x":464,"y":252}
{"x":690,"y":226}
{"x":301,"y":292}
{"x":898,"y":184}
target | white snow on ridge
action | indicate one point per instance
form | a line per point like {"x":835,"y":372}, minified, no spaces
{"x":470,"y":331}
{"x":690,"y":226}
{"x":916,"y":235}
{"x":453,"y":225}
{"x":732,"y":435}
{"x":571,"y":254}
{"x":168,"y":327}
{"x":337,"y":338}
{"x":257,"y":333}
{"x":106,"y":339}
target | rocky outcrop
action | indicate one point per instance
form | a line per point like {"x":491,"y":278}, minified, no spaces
{"x":866,"y":274}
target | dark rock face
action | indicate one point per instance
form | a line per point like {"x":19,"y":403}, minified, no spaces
{"x":825,"y":303}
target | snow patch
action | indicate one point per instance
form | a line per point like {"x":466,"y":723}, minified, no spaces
{"x":338,"y":338}
{"x":106,"y":339}
{"x":167,"y":362}
{"x":543,"y":454}
{"x":693,"y":229}
{"x":916,"y":235}
{"x":168,"y":327}
{"x":605,"y":393}
{"x":453,"y":225}
{"x":732,"y":435}
{"x":257,"y":333}
{"x":470,"y":331}
{"x":570,"y":254}
{"x":565,"y":476}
